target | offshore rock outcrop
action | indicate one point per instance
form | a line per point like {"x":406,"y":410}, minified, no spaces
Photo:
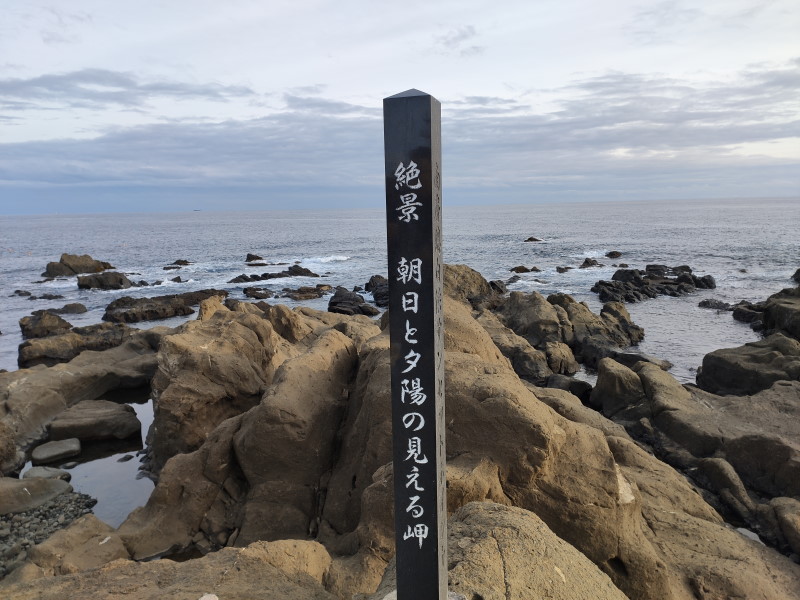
{"x":73,"y":264}
{"x":633,"y":285}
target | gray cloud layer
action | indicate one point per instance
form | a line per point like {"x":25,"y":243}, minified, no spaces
{"x":91,"y":88}
{"x":618,"y":136}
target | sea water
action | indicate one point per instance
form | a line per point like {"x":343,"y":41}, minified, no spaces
{"x":751,"y":247}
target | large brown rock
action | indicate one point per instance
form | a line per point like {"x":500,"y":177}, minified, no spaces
{"x":230,"y":574}
{"x":86,"y":544}
{"x":465,"y":284}
{"x":62,"y":348}
{"x":96,"y":420}
{"x":559,"y":319}
{"x":782,"y":312}
{"x":211,"y":369}
{"x":751,"y":368}
{"x":133,"y":310}
{"x":503,"y":553}
{"x":528,"y":362}
{"x":43,"y":324}
{"x":19,"y":495}
{"x":260,"y":474}
{"x":72,"y":264}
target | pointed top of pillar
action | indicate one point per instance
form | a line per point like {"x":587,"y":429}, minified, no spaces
{"x":408,"y":94}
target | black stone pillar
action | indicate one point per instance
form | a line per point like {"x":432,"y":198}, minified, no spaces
{"x":412,"y":140}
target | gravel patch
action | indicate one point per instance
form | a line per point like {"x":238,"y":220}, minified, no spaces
{"x":20,"y":531}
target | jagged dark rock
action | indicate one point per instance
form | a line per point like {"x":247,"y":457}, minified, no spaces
{"x":346,"y":302}
{"x":293,"y":271}
{"x":104,"y":281}
{"x":633,"y":285}
{"x":42,"y":324}
{"x":378,"y":286}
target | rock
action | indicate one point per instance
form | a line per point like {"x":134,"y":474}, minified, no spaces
{"x":310,"y":458}
{"x":513,"y":279}
{"x":796,"y":276}
{"x":46,"y":473}
{"x":66,"y":346}
{"x":378,"y":286}
{"x":72,"y":264}
{"x":528,"y":362}
{"x":181,"y":262}
{"x":43,"y":324}
{"x":466,"y":285}
{"x":589,"y":262}
{"x":31,"y":398}
{"x":715,"y":304}
{"x":629,"y":359}
{"x":497,"y":552}
{"x":133,"y":310}
{"x":257,"y":293}
{"x":346,"y":302}
{"x":292,"y":271}
{"x":307,"y":292}
{"x":520,"y":269}
{"x":632,"y":285}
{"x":252,"y":257}
{"x":533,"y":239}
{"x":96,"y":420}
{"x":73,"y":308}
{"x":236,"y":573}
{"x":614,"y":254}
{"x":177,"y":279}
{"x":498,"y":286}
{"x":578,"y":388}
{"x":248,"y":347}
{"x":617,"y":388}
{"x":20,"y":495}
{"x":750,"y":368}
{"x":57,"y":450}
{"x":22,"y":293}
{"x":104,"y":281}
{"x":782,"y":313}
{"x":562,"y":269}
{"x":86,"y":544}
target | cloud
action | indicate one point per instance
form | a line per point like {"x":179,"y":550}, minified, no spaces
{"x":94,"y":88}
{"x":658,"y":24}
{"x":456,"y":41}
{"x":616,"y":135}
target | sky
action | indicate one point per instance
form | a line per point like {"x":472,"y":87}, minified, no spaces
{"x":272,"y":104}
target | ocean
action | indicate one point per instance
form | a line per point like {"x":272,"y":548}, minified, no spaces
{"x":751,"y":247}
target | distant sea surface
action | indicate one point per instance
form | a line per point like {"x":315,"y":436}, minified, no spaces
{"x":751,"y":247}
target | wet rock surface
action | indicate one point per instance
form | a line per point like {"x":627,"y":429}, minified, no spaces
{"x":346,"y":302}
{"x":293,"y":271}
{"x":104,"y":281}
{"x":633,"y":285}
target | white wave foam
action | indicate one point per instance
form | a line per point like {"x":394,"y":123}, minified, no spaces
{"x":331,"y":258}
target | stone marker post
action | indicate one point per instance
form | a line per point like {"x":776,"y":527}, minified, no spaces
{"x":412,"y":141}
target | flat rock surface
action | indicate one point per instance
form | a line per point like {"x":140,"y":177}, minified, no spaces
{"x":53,"y":451}
{"x":19,"y":495}
{"x":46,"y":473}
{"x":96,"y":420}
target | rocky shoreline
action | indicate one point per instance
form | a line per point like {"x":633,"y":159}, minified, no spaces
{"x":271,"y":428}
